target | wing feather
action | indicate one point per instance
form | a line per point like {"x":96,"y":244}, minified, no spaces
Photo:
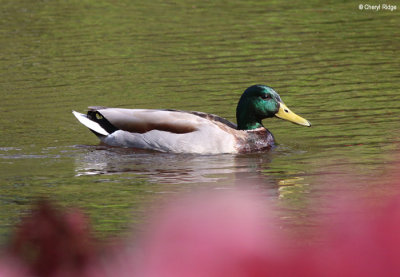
{"x":143,"y":120}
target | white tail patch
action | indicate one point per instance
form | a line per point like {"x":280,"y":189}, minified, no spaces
{"x":90,"y":123}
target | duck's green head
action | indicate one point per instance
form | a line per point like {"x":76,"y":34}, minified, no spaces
{"x":259,"y":102}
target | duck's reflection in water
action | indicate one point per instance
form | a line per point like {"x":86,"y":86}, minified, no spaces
{"x":165,"y":168}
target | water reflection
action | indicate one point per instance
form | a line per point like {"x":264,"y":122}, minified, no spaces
{"x":165,"y":168}
{"x":271,"y":174}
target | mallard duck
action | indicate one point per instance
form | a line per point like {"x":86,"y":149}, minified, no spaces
{"x":192,"y":132}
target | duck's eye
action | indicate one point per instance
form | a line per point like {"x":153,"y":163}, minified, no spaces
{"x":266,"y":96}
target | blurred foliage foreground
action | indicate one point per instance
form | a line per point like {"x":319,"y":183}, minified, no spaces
{"x":218,"y":233}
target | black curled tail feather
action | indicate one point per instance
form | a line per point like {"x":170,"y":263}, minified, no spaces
{"x":96,"y":116}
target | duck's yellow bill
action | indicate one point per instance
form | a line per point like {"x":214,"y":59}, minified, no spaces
{"x":285,"y":113}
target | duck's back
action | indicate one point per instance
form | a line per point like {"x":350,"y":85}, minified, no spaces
{"x":166,"y":130}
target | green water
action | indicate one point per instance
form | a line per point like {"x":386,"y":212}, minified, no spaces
{"x":332,"y":63}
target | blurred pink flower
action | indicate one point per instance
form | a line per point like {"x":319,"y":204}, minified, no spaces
{"x":211,"y":234}
{"x":214,"y":234}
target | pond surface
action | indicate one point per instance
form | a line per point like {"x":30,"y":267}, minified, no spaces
{"x":332,"y":63}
